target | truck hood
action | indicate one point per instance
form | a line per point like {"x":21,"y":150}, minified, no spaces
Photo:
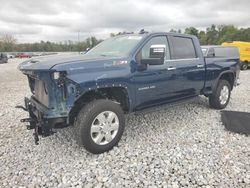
{"x":55,"y":61}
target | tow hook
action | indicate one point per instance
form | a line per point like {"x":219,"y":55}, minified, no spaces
{"x":32,"y":125}
{"x":40,"y":126}
{"x":21,"y":107}
{"x":29,"y":120}
{"x":32,"y":120}
{"x":35,"y":134}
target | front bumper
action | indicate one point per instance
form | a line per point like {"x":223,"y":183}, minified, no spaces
{"x":38,"y":118}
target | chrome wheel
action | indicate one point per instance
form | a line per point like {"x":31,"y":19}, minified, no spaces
{"x":104,"y":128}
{"x":224,"y":94}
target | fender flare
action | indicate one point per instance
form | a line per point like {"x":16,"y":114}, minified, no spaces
{"x":220,"y":75}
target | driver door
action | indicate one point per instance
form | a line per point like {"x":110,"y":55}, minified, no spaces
{"x":154,"y":83}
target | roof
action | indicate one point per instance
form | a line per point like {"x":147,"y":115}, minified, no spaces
{"x":216,"y":46}
{"x":158,"y":33}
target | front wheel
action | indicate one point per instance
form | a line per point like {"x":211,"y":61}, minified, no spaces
{"x":99,"y":125}
{"x":221,"y":96}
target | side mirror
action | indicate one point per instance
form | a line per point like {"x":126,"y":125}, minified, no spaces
{"x":156,"y":55}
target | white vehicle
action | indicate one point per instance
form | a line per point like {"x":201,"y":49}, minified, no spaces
{"x":10,"y":56}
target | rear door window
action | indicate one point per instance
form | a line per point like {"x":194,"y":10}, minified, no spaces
{"x":183,"y":48}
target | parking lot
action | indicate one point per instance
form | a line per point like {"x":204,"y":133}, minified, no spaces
{"x":180,"y":146}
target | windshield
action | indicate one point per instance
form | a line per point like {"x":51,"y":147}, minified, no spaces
{"x":115,"y":46}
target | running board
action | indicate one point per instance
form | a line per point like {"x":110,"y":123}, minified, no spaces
{"x":166,"y":105}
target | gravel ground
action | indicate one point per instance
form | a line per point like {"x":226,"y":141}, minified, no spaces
{"x":182,"y":146}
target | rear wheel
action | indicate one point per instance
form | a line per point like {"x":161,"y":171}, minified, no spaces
{"x":99,"y":126}
{"x":221,"y":96}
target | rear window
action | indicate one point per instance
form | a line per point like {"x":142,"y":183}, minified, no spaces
{"x":183,"y":48}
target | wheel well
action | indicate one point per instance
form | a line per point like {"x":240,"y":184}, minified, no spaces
{"x":229,"y":77}
{"x":118,"y":94}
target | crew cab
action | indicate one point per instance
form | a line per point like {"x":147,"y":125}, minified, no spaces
{"x":124,"y":74}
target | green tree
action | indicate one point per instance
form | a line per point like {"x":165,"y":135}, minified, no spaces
{"x":243,"y":35}
{"x":212,"y":35}
{"x":172,"y":31}
{"x":8,"y":43}
{"x":94,"y":41}
{"x":202,"y":37}
{"x":226,"y":33}
{"x":191,"y":31}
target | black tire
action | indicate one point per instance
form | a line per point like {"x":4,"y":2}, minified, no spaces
{"x":84,"y":121}
{"x":244,"y":66}
{"x":214,"y":99}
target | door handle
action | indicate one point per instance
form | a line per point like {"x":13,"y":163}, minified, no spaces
{"x":171,"y":68}
{"x":200,"y":66}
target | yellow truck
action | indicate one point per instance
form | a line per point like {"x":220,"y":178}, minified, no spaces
{"x":244,"y":51}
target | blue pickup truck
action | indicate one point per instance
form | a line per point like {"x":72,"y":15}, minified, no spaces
{"x":124,"y":74}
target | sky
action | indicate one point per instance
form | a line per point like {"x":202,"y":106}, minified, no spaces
{"x":60,"y":20}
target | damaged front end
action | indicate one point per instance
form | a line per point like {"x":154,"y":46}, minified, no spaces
{"x":36,"y":120}
{"x":51,"y":101}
